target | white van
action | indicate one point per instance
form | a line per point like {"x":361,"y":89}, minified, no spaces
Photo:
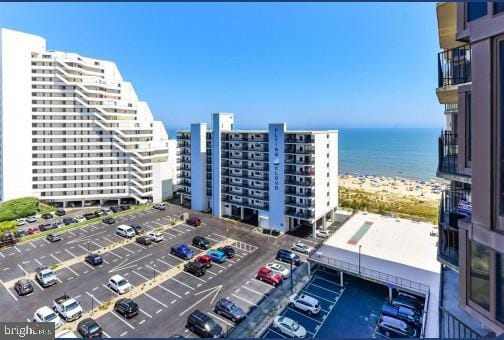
{"x":125,"y":231}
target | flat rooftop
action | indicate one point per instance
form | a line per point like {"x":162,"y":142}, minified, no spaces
{"x":397,"y":247}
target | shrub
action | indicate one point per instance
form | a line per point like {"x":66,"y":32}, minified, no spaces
{"x":266,"y":231}
{"x":7,"y":226}
{"x":18,"y":208}
{"x":275,"y":232}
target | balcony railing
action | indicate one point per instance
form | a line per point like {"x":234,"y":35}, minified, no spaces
{"x":455,"y":205}
{"x":300,"y":151}
{"x":305,"y":193}
{"x":291,"y":139}
{"x":291,"y":170}
{"x":454,"y":66}
{"x":302,"y":161}
{"x":306,"y":205}
{"x":183,"y":137}
{"x":293,"y":181}
{"x":302,"y":215}
{"x":448,"y":153}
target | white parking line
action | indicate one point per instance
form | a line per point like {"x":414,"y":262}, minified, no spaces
{"x":96,"y":244}
{"x":24,"y":271}
{"x":263,"y":283}
{"x":38,"y":262}
{"x":194,"y":276}
{"x":8,"y":290}
{"x":54,"y":257}
{"x":46,"y":241}
{"x":156,"y":300}
{"x":87,"y":264}
{"x":329,"y":290}
{"x":254,"y":291}
{"x":72,"y":233}
{"x":17,"y":249}
{"x":139,"y":245}
{"x":1,"y":254}
{"x":123,"y":333}
{"x":305,"y":315}
{"x":150,"y":316}
{"x":221,"y":319}
{"x":317,"y":296}
{"x":169,"y":291}
{"x":247,"y":301}
{"x":82,"y":248}
{"x":33,"y":245}
{"x":182,"y":283}
{"x":130,"y":251}
{"x":271,"y":330}
{"x":119,"y":256}
{"x":73,"y":271}
{"x":69,"y":252}
{"x":164,"y":262}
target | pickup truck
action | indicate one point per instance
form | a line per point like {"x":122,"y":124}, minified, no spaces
{"x":68,"y":308}
{"x":45,"y":277}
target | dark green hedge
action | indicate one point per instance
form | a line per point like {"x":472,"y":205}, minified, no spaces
{"x":18,"y":208}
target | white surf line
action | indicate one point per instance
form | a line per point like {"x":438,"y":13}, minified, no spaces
{"x":169,"y":291}
{"x":11,"y":294}
{"x":247,"y":301}
{"x":156,"y":300}
{"x":182,"y":283}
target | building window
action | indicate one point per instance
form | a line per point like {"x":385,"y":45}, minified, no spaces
{"x":479,"y":275}
{"x":476,"y":10}
{"x":498,"y":7}
{"x":500,"y":287}
{"x":468,"y":134}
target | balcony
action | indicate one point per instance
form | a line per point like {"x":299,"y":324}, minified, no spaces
{"x":305,"y":215}
{"x":183,"y":137}
{"x":300,"y":160}
{"x":290,"y":180}
{"x":183,"y":152}
{"x":184,"y":175}
{"x":303,"y":193}
{"x":455,"y":205}
{"x":245,"y":204}
{"x":448,"y":158}
{"x":303,"y":171}
{"x":307,"y":204}
{"x":299,"y":139}
{"x":454,"y":68}
{"x":299,"y":150}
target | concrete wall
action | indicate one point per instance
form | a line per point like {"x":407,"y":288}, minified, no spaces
{"x":277,"y":176}
{"x":220,"y":122}
{"x":199,"y":199}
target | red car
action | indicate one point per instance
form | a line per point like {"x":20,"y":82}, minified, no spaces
{"x":194,"y":221}
{"x":205,"y":260}
{"x":269,"y":276}
{"x":33,"y":230}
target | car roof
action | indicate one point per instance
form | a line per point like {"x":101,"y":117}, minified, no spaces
{"x":44,"y":310}
{"x":24,"y":282}
{"x":308,"y":298}
{"x":393,"y":321}
{"x":117,"y":277}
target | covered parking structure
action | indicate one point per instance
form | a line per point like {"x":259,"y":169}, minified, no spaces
{"x":399,"y":254}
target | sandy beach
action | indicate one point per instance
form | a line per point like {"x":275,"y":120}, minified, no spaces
{"x":424,"y":190}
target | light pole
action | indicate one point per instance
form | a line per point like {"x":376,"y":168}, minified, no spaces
{"x":92,"y":304}
{"x":360,"y":246}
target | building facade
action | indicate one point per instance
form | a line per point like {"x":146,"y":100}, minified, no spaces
{"x":73,"y":132}
{"x":471,"y":157}
{"x":275,"y":178}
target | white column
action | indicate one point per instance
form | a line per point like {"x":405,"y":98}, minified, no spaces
{"x":323,"y":222}
{"x":341,"y":279}
{"x":314,"y":229}
{"x":242,"y":213}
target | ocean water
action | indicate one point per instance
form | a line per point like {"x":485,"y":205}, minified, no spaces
{"x":409,"y":153}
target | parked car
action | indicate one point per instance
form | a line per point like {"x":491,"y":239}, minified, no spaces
{"x":21,"y":233}
{"x":94,"y":259}
{"x":46,"y":314}
{"x":90,"y":215}
{"x":143,"y":240}
{"x":119,"y":284}
{"x":125,"y":207}
{"x":60,"y":212}
{"x":278,"y":268}
{"x":217,"y":256}
{"x":401,"y":301}
{"x":20,"y":222}
{"x":160,"y":206}
{"x":138,"y":229}
{"x":228,"y":250}
{"x":289,"y":327}
{"x":229,"y":310}
{"x":125,"y":231}
{"x":126,"y":307}
{"x":402,"y":313}
{"x":195,"y":268}
{"x":53,"y":238}
{"x":67,"y":307}
{"x":305,"y":303}
{"x":68,"y":220}
{"x":31,"y":219}
{"x":322,"y":233}
{"x":288,"y":256}
{"x":413,"y":298}
{"x":115,"y":209}
{"x":193,"y":221}
{"x":90,"y":329}
{"x":183,"y":251}
{"x":79,"y":218}
{"x":108,"y":220}
{"x":33,"y":230}
{"x":99,"y":213}
{"x":203,"y":325}
{"x":391,"y":327}
{"x":269,"y":276}
{"x":58,"y":224}
{"x":47,"y":216}
{"x":46,"y":277}
{"x":205,"y":260}
{"x":23,"y":287}
{"x":302,"y":247}
{"x":201,"y":242}
{"x":155,"y":236}
{"x":42,"y":227}
{"x":107,"y":211}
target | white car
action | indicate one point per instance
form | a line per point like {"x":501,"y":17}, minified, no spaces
{"x":160,"y":206}
{"x":31,"y":219}
{"x":66,"y":334}
{"x":46,"y":314}
{"x":305,"y":303}
{"x":278,"y":268}
{"x":289,"y":327}
{"x":322,"y":233}
{"x":155,"y":236}
{"x":79,"y":218}
{"x":119,"y":284}
{"x":20,"y":222}
{"x":302,"y":248}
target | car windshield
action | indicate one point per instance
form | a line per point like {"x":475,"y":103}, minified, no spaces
{"x":210,"y":324}
{"x":122,"y":282}
{"x":295,"y":326}
{"x":406,"y":311}
{"x":71,"y":306}
{"x":47,"y":275}
{"x":50,"y":317}
{"x":233,"y":307}
{"x":94,"y":328}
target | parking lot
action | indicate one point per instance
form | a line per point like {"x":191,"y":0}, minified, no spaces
{"x":164,"y":304}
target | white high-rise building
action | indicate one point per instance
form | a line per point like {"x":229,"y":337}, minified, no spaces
{"x":73,"y":131}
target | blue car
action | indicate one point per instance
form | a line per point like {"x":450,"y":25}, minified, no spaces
{"x":183,"y":251}
{"x":217,"y":256}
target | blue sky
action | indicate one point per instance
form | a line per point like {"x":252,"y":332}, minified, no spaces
{"x":313,"y":65}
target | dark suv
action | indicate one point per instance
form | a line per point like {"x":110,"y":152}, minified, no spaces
{"x":228,"y":250}
{"x":228,"y":309}
{"x":201,"y":242}
{"x":392,"y":327}
{"x":194,"y":221}
{"x":23,"y":287}
{"x":203,"y":325}
{"x":126,"y":307}
{"x":60,"y":212}
{"x":288,"y":256}
{"x":402,"y":313}
{"x":195,"y":268}
{"x":89,"y":329}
